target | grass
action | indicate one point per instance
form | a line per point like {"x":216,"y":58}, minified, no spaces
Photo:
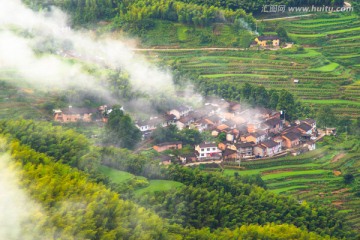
{"x":115,"y":175}
{"x":333,"y":101}
{"x":327,"y":68}
{"x":295,"y":174}
{"x":230,"y":172}
{"x":287,"y":189}
{"x":158,"y":186}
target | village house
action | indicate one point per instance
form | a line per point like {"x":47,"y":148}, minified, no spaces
{"x":311,"y":122}
{"x":208,"y":151}
{"x":211,"y":109}
{"x":164,"y":159}
{"x":223,"y":145}
{"x":180,"y":111}
{"x":255,"y":137}
{"x":291,"y":139}
{"x":253,"y":126}
{"x":149,"y":125}
{"x":72,"y":114}
{"x":330,"y":131}
{"x":268,"y":41}
{"x":169,"y":119}
{"x":305,"y":128}
{"x":214,"y":119}
{"x":184,"y":122}
{"x":266,"y":113}
{"x":244,"y":149}
{"x":274,"y":125}
{"x":234,"y":107}
{"x":229,"y":154}
{"x":201,"y":125}
{"x":232,"y":135}
{"x":267,"y":149}
{"x":188,"y":158}
{"x":311,"y":145}
{"x":167,"y":146}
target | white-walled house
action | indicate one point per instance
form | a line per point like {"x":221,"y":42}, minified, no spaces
{"x":208,"y":151}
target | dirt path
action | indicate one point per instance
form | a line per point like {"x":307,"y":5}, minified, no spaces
{"x":276,"y":171}
{"x":274,"y":19}
{"x":338,"y":157}
{"x":188,"y":49}
{"x":207,"y":162}
{"x":342,"y":190}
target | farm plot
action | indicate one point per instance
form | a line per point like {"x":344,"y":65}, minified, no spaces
{"x":338,"y":40}
{"x":314,"y":176}
{"x":318,"y":78}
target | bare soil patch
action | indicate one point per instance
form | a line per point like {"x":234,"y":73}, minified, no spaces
{"x":338,"y":157}
{"x":342,"y":190}
{"x":276,"y":171}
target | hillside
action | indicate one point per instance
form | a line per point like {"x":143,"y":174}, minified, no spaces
{"x":105,"y":115}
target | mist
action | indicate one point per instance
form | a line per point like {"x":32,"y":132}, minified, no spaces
{"x":20,"y":216}
{"x":37,"y":45}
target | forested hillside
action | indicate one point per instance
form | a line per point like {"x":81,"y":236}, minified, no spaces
{"x":207,"y":201}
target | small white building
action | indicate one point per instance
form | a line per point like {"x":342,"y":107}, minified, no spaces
{"x":208,"y":151}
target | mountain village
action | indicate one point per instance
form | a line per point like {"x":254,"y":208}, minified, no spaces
{"x":251,"y":133}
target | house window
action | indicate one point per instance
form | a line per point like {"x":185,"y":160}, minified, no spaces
{"x":214,"y":149}
{"x":202,"y":154}
{"x":202,"y":149}
{"x":208,"y":149}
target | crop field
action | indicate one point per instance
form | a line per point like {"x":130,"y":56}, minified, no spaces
{"x":327,"y":69}
{"x":338,"y":40}
{"x":314,"y":176}
{"x":17,"y":102}
{"x":319,"y":79}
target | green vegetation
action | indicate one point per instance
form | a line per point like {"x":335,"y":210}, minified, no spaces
{"x":108,"y":192}
{"x":120,"y":130}
{"x":231,"y":194}
{"x":327,"y":175}
{"x":114,"y":175}
{"x":158,"y":186}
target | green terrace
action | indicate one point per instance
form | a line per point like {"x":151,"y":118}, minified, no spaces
{"x":319,"y":78}
{"x":338,"y":40}
{"x":313,"y":176}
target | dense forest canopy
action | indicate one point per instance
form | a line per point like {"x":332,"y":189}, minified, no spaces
{"x":136,"y":14}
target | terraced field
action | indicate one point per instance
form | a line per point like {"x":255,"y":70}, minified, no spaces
{"x":319,"y":78}
{"x":315,"y":176}
{"x":337,"y":38}
{"x":19,"y":102}
{"x":328,"y":69}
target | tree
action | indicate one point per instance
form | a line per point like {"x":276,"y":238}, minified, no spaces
{"x":348,"y":178}
{"x":190,"y":136}
{"x":222,"y":137}
{"x":356,"y":5}
{"x":326,"y":117}
{"x":286,"y":103}
{"x":121,"y":131}
{"x":274,"y":98}
{"x":168,"y":134}
{"x":281,"y":32}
